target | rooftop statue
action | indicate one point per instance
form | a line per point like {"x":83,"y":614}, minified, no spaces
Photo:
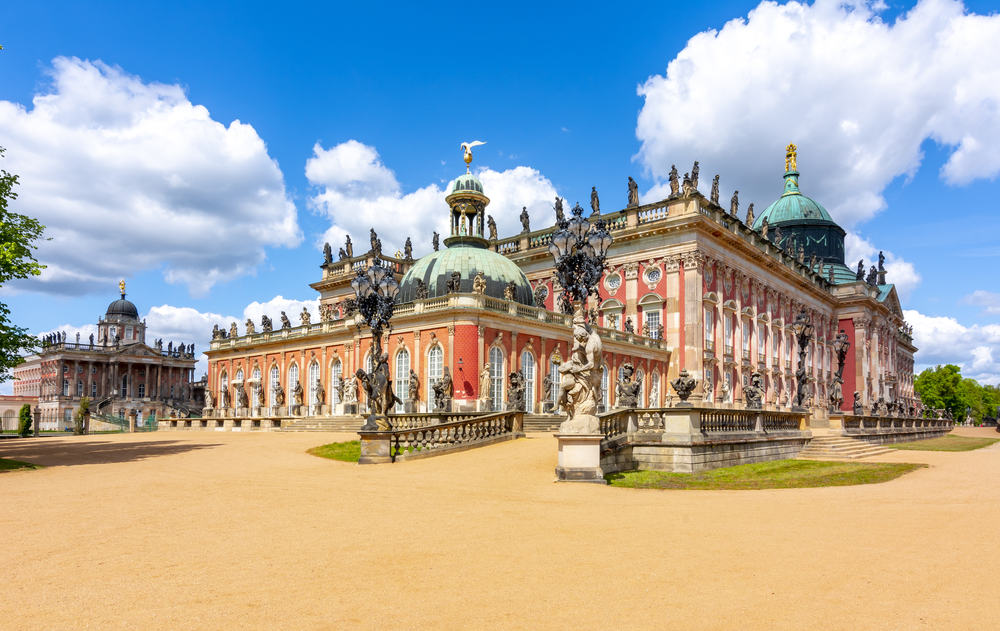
{"x":595,"y":202}
{"x":674,"y":183}
{"x":872,"y":278}
{"x":327,"y":253}
{"x":467,"y":149}
{"x":881,"y":268}
{"x":861,"y":270}
{"x":454,"y":284}
{"x":734,"y":204}
{"x":265,"y":324}
{"x":629,"y":327}
{"x":750,"y":217}
{"x":510,"y":291}
{"x":830,"y":275}
{"x":560,"y":215}
{"x":525,"y":221}
{"x":435,"y":241}
{"x":764,"y":228}
{"x":421,"y":292}
{"x":492,"y":226}
{"x":695,"y":170}
{"x":686,"y":185}
{"x":233,"y":331}
{"x":408,"y":250}
{"x":714,"y":196}
{"x":285,"y":322}
{"x":802,"y":253}
{"x":633,"y":192}
{"x":376,"y":243}
{"x":305,"y":317}
{"x":250,"y":327}
{"x":350,"y":247}
{"x":341,"y":254}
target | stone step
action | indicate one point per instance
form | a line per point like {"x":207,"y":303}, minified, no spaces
{"x":839,"y":447}
{"x":542,"y":422}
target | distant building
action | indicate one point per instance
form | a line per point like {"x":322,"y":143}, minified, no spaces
{"x":118,"y":371}
{"x":10,"y":409}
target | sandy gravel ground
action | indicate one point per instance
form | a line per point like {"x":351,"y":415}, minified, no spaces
{"x":246,"y":531}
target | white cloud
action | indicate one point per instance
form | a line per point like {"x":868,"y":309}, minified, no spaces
{"x":897,"y":270}
{"x":129,"y":176}
{"x":943,"y":340}
{"x":857,"y":95}
{"x":273,"y":308}
{"x":988,"y":300}
{"x":356,"y":191}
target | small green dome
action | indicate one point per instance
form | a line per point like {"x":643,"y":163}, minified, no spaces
{"x":467,"y":182}
{"x":792,"y":207}
{"x":436,"y":268}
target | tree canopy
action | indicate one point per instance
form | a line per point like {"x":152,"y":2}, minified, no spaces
{"x":19,"y":235}
{"x":944,"y":387}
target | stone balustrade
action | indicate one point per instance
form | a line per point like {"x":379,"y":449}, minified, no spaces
{"x":889,"y":429}
{"x":438,"y":438}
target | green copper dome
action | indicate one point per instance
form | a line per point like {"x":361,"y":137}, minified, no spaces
{"x":436,"y":268}
{"x":467,"y":182}
{"x":792,"y":206}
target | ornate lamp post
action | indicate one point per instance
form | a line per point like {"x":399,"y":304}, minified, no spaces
{"x":579,"y":250}
{"x":803,"y":329}
{"x":375,"y":291}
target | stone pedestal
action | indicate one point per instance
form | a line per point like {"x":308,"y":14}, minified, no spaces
{"x":580,"y":458}
{"x":410,"y":407}
{"x":375,"y":447}
{"x":350,"y":408}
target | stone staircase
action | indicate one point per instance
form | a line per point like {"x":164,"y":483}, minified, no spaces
{"x":323,"y":424}
{"x":832,"y":447}
{"x":542,"y":422}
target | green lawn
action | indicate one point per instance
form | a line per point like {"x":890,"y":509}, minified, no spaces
{"x":778,"y":474}
{"x":349,"y":451}
{"x":949,"y":442}
{"x":6,"y":464}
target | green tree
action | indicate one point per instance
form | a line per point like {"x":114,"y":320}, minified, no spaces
{"x":82,"y":418}
{"x":19,"y":235}
{"x":938,"y":388}
{"x":24,"y":420}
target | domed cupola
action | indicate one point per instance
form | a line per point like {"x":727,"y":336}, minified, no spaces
{"x":121,"y":309}
{"x":466,"y":250}
{"x":802,"y":220}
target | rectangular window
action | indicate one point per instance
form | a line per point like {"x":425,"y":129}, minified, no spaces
{"x":729,"y":334}
{"x":653,"y":323}
{"x":775,"y":344}
{"x":93,"y":390}
{"x":142,"y":390}
{"x":746,"y":339}
{"x":761,"y":342}
{"x":128,"y":333}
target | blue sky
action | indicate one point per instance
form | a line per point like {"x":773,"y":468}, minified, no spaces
{"x":132,"y":159}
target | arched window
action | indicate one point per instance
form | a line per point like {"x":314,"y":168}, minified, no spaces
{"x":554,"y":376}
{"x":239,"y":376}
{"x":79,"y":388}
{"x":604,"y":388}
{"x":313,"y":380}
{"x":255,"y":393}
{"x":496,"y":377}
{"x":528,"y":370}
{"x":369,"y":365}
{"x":223,"y":382}
{"x":275,"y":382}
{"x":435,"y":370}
{"x":402,"y":381}
{"x":336,"y":373}
{"x":293,"y":378}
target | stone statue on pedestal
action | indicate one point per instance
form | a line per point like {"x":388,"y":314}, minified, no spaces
{"x":629,"y":327}
{"x":381,"y":398}
{"x":859,"y":409}
{"x":250,"y":327}
{"x":714,"y":196}
{"x":580,"y":379}
{"x":443,"y":391}
{"x":515,"y":391}
{"x":479,"y":283}
{"x":349,"y":394}
{"x":595,"y":202}
{"x":753,"y":393}
{"x":241,"y":396}
{"x":525,"y":221}
{"x":435,"y":241}
{"x":265,"y":324}
{"x":224,"y":396}
{"x":750,"y":216}
{"x":675,"y":187}
{"x":209,"y":402}
{"x":484,"y":384}
{"x":413,"y":389}
{"x":684,"y":385}
{"x":285,"y":322}
{"x":560,"y":214}
{"x":279,"y":395}
{"x":327,"y":253}
{"x":408,"y":250}
{"x":420,"y":293}
{"x":305,"y":317}
{"x":633,"y":192}
{"x":627,"y":395}
{"x":233,"y":330}
{"x":319,"y":392}
{"x":297,"y":393}
{"x":491,"y":225}
{"x":510,"y":291}
{"x":734,"y":204}
{"x":695,"y":170}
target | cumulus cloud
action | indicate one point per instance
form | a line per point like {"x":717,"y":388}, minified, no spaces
{"x":356,"y":191}
{"x":944,"y":340}
{"x":898,"y":271}
{"x":988,"y":300}
{"x":273,"y":308}
{"x":129,"y":175}
{"x":858,"y":96}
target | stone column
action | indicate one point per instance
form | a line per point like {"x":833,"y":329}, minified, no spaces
{"x":145,"y":383}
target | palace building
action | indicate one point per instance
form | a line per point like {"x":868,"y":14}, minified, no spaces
{"x":117,"y":371}
{"x":689,"y":285}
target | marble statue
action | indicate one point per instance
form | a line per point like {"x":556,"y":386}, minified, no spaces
{"x":714,"y":195}
{"x":279,"y":395}
{"x":443,"y":391}
{"x":525,"y":220}
{"x":479,"y":283}
{"x":297,"y":393}
{"x":515,"y":391}
{"x":750,"y":216}
{"x":734,"y":204}
{"x":547,"y":388}
{"x":509,"y":291}
{"x":350,"y":390}
{"x":491,"y":225}
{"x":764,"y":228}
{"x":580,"y":379}
{"x":484,"y":384}
{"x":595,"y":202}
{"x":859,"y":409}
{"x":753,"y":393}
{"x":241,"y":396}
{"x":250,"y":327}
{"x":413,"y":388}
{"x":628,"y":389}
{"x":674,"y":183}
{"x":560,"y":214}
{"x":209,"y":402}
{"x":233,"y":332}
{"x":695,"y":171}
{"x":349,"y":246}
{"x":305,"y":317}
{"x":654,"y":394}
{"x":224,"y":397}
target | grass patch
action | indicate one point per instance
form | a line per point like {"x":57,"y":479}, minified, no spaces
{"x":349,"y":451}
{"x":777,"y":474}
{"x":6,"y":464}
{"x":948,"y":442}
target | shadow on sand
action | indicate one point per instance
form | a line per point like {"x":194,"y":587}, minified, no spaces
{"x":63,"y":452}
